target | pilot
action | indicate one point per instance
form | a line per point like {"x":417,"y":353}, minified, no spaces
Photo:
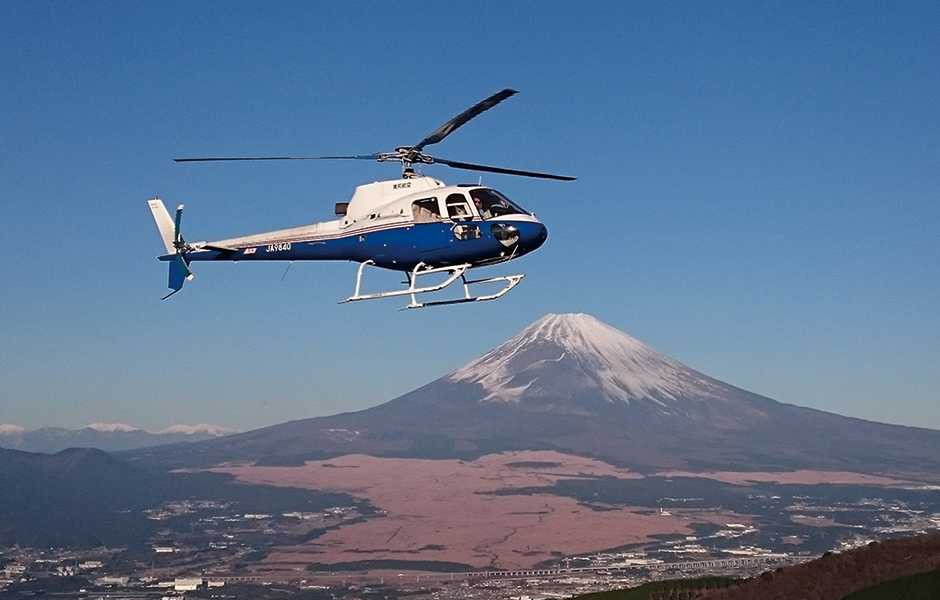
{"x":486,"y":214}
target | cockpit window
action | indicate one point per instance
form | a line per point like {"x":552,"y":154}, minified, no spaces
{"x":491,"y":203}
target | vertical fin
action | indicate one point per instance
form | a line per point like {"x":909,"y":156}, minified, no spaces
{"x":179,"y":274}
{"x":164,"y":224}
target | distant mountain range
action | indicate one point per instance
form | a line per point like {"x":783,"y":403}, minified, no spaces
{"x":574,"y":384}
{"x":103,"y":436}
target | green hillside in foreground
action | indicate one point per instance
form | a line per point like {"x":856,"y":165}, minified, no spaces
{"x":923,"y":586}
{"x":836,"y":575}
{"x":674,"y":589}
{"x":898,"y":569}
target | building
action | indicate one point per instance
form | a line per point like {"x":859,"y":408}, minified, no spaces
{"x":188,"y":584}
{"x":13,"y":571}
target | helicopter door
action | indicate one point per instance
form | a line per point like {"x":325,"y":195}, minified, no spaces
{"x":458,"y":209}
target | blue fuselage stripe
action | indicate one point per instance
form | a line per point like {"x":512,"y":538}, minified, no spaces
{"x":399,"y":248}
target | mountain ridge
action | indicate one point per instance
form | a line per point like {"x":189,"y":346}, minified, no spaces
{"x":110,"y":437}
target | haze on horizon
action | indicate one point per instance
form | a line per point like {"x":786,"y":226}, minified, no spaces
{"x":757,"y":198}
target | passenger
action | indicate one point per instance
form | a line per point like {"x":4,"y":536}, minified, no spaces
{"x":423,"y":213}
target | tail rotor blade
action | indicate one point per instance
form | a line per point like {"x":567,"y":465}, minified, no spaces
{"x":176,"y":225}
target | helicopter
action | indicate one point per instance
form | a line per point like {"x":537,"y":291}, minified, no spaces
{"x":416,"y":224}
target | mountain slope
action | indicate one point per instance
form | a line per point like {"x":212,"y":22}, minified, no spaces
{"x":572,"y":383}
{"x":85,"y":497}
{"x":899,"y":569}
{"x":869,"y":572}
{"x":76,"y":497}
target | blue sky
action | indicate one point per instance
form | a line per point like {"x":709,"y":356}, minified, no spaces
{"x":758,"y":196}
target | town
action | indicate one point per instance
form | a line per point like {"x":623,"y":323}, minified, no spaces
{"x":220,"y":553}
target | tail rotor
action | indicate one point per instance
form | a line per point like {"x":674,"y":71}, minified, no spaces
{"x":175,"y":245}
{"x":178,"y":242}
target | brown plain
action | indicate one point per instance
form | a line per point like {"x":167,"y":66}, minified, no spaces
{"x":441,"y":510}
{"x":800,"y":477}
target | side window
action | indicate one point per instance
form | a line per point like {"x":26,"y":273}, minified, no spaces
{"x":457,"y":207}
{"x":426,"y":210}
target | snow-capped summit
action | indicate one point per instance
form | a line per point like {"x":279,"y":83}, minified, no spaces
{"x":113,"y":427}
{"x":8,"y":429}
{"x":204,"y":428}
{"x":564,"y":357}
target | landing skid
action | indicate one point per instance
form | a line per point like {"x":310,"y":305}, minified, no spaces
{"x":453,"y":273}
{"x":511,"y":282}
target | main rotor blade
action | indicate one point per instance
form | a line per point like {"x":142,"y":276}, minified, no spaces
{"x":450,"y":126}
{"x":473,"y":167}
{"x":225,"y":158}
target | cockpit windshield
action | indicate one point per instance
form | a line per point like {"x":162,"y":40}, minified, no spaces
{"x":491,"y":203}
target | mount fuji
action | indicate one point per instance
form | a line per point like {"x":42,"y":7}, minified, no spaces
{"x":575,"y":384}
{"x":576,"y":364}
